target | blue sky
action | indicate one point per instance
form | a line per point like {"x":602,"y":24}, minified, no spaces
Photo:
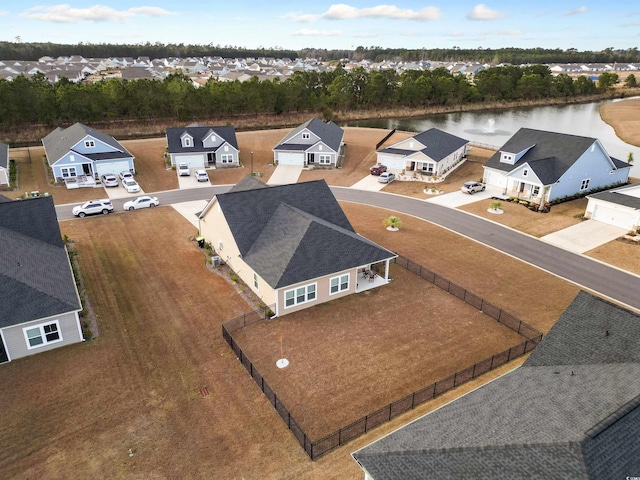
{"x":297,"y":24}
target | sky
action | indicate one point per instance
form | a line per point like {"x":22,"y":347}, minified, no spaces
{"x":294,"y":25}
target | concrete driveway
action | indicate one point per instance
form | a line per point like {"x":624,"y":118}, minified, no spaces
{"x":189,"y":181}
{"x":370,"y":183}
{"x":285,"y":174}
{"x":189,"y":210}
{"x":120,"y":192}
{"x":584,"y":236}
{"x":459,"y":198}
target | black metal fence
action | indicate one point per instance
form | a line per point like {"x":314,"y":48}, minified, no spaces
{"x":317,"y":448}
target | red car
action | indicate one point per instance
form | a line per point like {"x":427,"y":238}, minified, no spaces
{"x":378,"y":169}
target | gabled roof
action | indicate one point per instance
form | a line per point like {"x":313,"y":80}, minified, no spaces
{"x":568,"y":412}
{"x":4,"y":155}
{"x":329,"y":133}
{"x":35,"y":276}
{"x":59,"y":142}
{"x":617,"y":196}
{"x":293,"y":233}
{"x":436,"y":144}
{"x":550,"y":154}
{"x":199,"y":132}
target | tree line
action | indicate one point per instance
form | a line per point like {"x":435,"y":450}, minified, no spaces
{"x":35,"y":100}
{"x":32,"y":51}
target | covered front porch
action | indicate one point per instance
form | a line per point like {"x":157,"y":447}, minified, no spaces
{"x":523,"y":190}
{"x":372,"y":276}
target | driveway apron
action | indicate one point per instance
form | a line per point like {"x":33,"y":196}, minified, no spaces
{"x":584,"y":236}
{"x":285,"y":174}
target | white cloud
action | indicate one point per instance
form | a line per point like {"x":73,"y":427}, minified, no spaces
{"x":3,"y":13}
{"x":63,"y":13}
{"x":509,"y":33}
{"x":345,"y":12}
{"x":576,"y":11}
{"x":300,"y":17}
{"x":482,"y":12}
{"x":306,"y":32}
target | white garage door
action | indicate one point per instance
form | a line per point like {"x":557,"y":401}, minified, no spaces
{"x":114,"y":167}
{"x":613,"y":216}
{"x":285,"y":158}
{"x":392,"y":163}
{"x":194,"y":161}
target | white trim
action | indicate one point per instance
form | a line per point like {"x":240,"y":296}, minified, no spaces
{"x":296,"y":294}
{"x":340,"y":283}
{"x":43,"y":334}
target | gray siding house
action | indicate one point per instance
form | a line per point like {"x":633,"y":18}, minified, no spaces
{"x":40,"y":302}
{"x":4,"y":164}
{"x":81,"y":151}
{"x":542,"y":166}
{"x":312,"y":143}
{"x":203,"y":147}
{"x":571,"y":411}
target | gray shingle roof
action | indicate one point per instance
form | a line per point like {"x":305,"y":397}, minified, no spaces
{"x":437,"y":145}
{"x":617,"y":196}
{"x":292,"y":233}
{"x":35,"y":276}
{"x":174,"y":134}
{"x":568,"y":412}
{"x":59,"y":142}
{"x":550,"y":156}
{"x":4,"y":155}
{"x":329,"y":133}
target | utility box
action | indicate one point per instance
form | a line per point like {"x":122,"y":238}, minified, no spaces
{"x":216,"y":261}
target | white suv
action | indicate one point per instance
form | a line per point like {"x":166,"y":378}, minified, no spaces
{"x":92,"y":207}
{"x":183,"y":169}
{"x":472,"y":187}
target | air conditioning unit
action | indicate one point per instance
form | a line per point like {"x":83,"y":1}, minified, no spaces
{"x":216,"y":261}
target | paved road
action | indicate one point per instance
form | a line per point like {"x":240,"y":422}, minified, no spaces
{"x":590,"y":274}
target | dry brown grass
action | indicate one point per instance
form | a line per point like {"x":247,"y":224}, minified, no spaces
{"x":624,"y":117}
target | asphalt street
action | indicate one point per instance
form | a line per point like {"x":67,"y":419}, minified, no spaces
{"x":590,"y":274}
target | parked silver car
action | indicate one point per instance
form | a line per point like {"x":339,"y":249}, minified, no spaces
{"x":386,"y":177}
{"x":93,"y":207}
{"x":473,"y":187}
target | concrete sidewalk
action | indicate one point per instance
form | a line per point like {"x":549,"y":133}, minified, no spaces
{"x":459,"y":198}
{"x":584,"y":236}
{"x":285,"y":174}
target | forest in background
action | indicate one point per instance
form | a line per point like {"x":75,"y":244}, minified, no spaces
{"x":32,"y":51}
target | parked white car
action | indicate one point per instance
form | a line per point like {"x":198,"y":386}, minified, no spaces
{"x":126,"y":174}
{"x":141,"y":202}
{"x":93,"y":207}
{"x":201,"y":176}
{"x":130,"y":185}
{"x":183,"y":169}
{"x":109,"y":180}
{"x":472,"y":187}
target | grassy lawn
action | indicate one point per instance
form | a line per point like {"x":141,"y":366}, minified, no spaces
{"x":75,"y":412}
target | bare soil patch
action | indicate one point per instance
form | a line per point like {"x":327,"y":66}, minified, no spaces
{"x":624,"y":117}
{"x":160,"y":312}
{"x":619,"y":253}
{"x":151,"y":171}
{"x":352,"y":356}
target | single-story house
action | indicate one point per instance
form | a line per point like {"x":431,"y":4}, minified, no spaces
{"x":619,"y":207}
{"x":572,"y":410}
{"x":4,"y":164}
{"x":432,"y":152}
{"x":292,"y":244}
{"x":79,"y":151}
{"x":312,"y":143}
{"x":201,"y":146}
{"x":40,"y":302}
{"x":541,"y":166}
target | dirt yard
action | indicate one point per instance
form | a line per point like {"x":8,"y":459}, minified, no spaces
{"x":79,"y":411}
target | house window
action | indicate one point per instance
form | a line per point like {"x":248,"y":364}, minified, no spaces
{"x":525,"y":172}
{"x":44,"y":334}
{"x":299,"y":295}
{"x":427,"y":167}
{"x":584,"y":185}
{"x":89,"y":143}
{"x":325,"y":160}
{"x":255,"y":280}
{"x":68,"y":172}
{"x":306,"y":136}
{"x":339,"y":284}
{"x":228,"y":158}
{"x":535,"y":191}
{"x":186,"y":142}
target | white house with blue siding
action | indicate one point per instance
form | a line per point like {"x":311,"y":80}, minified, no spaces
{"x":542,"y":166}
{"x":81,"y":151}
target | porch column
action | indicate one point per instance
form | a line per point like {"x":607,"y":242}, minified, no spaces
{"x":386,"y":270}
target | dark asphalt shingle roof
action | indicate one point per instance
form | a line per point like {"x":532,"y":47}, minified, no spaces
{"x":568,"y":412}
{"x":59,"y":142}
{"x":329,"y":133}
{"x":436,"y":144}
{"x":293,"y":233}
{"x":35,"y":276}
{"x":618,"y":197}
{"x":550,"y":154}
{"x":174,"y":138}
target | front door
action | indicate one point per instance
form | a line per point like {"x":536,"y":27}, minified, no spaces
{"x":311,"y":158}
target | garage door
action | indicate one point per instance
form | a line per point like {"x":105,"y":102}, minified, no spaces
{"x":194,"y":161}
{"x":392,"y":163}
{"x":614,"y":216}
{"x":114,"y":167}
{"x":285,"y":158}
